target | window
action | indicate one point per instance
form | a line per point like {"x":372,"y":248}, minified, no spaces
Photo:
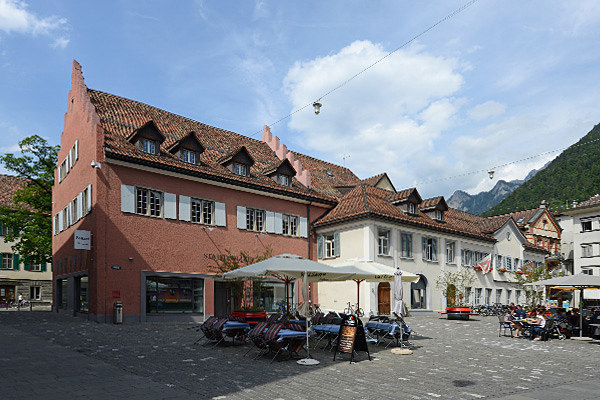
{"x":499,"y":260}
{"x":450,"y":251}
{"x":289,"y":225}
{"x":429,"y":249}
{"x":406,"y":245}
{"x":411,"y":208}
{"x":255,"y":220}
{"x":65,"y":217}
{"x":35,"y":266}
{"x":284,"y":180}
{"x":174,"y":295}
{"x":477,"y":296}
{"x":516,"y":266}
{"x":7,"y":261}
{"x":468,"y":295}
{"x":586,"y":226}
{"x":74,"y":208}
{"x":330,"y":250}
{"x":517,"y":296}
{"x":35,"y":293}
{"x":3,"y":230}
{"x":586,"y":250}
{"x":188,"y":156}
{"x":439,"y":215}
{"x":509,"y":263}
{"x":62,"y":170}
{"x":84,"y":201}
{"x":202,"y":211}
{"x":467,"y":258}
{"x":488,"y":296}
{"x":148,"y":146}
{"x":149,"y":202}
{"x":240,"y":169}
{"x":508,"y":293}
{"x":383,"y":242}
{"x":498,"y":296}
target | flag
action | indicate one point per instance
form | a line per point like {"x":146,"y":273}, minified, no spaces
{"x":530,"y":264}
{"x":486,"y":264}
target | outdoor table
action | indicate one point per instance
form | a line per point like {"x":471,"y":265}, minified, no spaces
{"x":235,"y":329}
{"x":597,"y":330}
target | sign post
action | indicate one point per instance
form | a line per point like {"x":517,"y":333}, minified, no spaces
{"x":351,"y":338}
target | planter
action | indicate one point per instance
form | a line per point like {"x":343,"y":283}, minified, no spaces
{"x":477,"y":268}
{"x":462,"y":313}
{"x":502,"y":270}
{"x":252,"y":317}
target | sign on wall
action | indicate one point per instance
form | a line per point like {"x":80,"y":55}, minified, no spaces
{"x":83,"y":240}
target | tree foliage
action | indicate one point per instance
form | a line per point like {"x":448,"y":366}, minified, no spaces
{"x":531,"y":273}
{"x":29,"y":218}
{"x":245,"y":294}
{"x":573,"y":175}
{"x":453,"y":285}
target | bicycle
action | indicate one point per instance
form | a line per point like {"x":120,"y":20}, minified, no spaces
{"x":354,"y":310}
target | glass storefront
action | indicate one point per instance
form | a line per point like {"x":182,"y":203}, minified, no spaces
{"x":62,"y":284}
{"x":174,"y":295}
{"x":83,"y":294}
{"x":272,"y":295}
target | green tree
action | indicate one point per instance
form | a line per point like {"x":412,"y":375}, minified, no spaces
{"x":531,"y":272}
{"x":244,"y":294}
{"x":453,"y":285}
{"x":29,"y":217}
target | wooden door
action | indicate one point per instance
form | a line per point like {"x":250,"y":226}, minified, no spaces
{"x":383,"y":298}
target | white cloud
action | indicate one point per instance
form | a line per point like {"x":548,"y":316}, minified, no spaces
{"x":487,"y":110}
{"x":15,"y":17}
{"x":10,"y":149}
{"x":387,"y":118}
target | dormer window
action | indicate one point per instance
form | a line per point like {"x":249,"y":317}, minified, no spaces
{"x":188,"y":156}
{"x":148,"y":146}
{"x":240,"y":169}
{"x":411,"y":208}
{"x":284,"y":180}
{"x":439,"y":215}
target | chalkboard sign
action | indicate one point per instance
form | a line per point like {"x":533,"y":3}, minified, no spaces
{"x":351,"y":338}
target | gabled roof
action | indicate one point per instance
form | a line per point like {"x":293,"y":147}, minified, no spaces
{"x":148,"y":129}
{"x":121,"y":117}
{"x":380,"y":181}
{"x":240,"y":154}
{"x":283,"y":167}
{"x":8,"y":187}
{"x":405,"y":194}
{"x":190,"y":139}
{"x":434,"y":203}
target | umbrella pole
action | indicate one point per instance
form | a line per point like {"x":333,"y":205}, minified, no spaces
{"x":580,"y":313}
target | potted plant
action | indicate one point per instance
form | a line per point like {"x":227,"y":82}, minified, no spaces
{"x":477,"y":268}
{"x":453,"y":286}
{"x":502,"y":270}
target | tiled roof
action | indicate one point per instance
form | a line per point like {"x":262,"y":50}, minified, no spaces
{"x":120,"y":117}
{"x":431,"y":203}
{"x":374,"y":180}
{"x":403,"y":194}
{"x":8,"y":186}
{"x":522,"y":218}
{"x":365,"y":200}
{"x":590,"y":202}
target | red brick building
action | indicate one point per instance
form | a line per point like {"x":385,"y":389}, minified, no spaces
{"x":145,"y":200}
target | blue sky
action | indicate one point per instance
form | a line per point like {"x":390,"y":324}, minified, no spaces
{"x":499,"y":82}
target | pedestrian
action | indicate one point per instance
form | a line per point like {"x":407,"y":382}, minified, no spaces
{"x":20,"y":299}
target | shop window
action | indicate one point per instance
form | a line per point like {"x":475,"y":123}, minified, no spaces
{"x":174,"y":295}
{"x":35,"y":293}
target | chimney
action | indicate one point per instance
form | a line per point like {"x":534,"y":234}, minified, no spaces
{"x":544,"y":204}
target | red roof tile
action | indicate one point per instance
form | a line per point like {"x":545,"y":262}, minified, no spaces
{"x":8,"y":186}
{"x":590,"y":202}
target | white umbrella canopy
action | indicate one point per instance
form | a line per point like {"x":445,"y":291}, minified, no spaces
{"x":288,"y":267}
{"x":398,"y":293}
{"x":372,"y":271}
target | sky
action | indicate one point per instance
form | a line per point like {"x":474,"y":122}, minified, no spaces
{"x":500,"y":81}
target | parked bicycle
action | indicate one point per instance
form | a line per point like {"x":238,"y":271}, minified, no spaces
{"x":356,"y":310}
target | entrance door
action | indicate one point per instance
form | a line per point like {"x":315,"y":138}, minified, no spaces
{"x":418,"y":293}
{"x":222,"y":299}
{"x":7,"y":293}
{"x":383,"y":298}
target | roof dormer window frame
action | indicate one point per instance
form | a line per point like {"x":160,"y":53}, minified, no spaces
{"x":148,"y":145}
{"x":240,"y":169}
{"x":284,"y":180}
{"x":189,"y":156}
{"x":412,"y":208}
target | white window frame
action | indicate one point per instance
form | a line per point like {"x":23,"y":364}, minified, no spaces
{"x":383,"y":241}
{"x":587,"y":250}
{"x":157,"y":194}
{"x":406,"y":245}
{"x":255,"y":219}
{"x":430,"y":248}
{"x":586,"y":226}
{"x":148,"y":146}
{"x":451,"y":252}
{"x":412,"y":209}
{"x":517,"y":296}
{"x":477,"y":300}
{"x":508,"y":295}
{"x":188,"y":156}
{"x":289,"y":224}
{"x":439,"y":215}
{"x":35,"y":293}
{"x":202,"y":211}
{"x":4,"y":231}
{"x":284,"y":180}
{"x":240,"y":169}
{"x":329,"y":250}
{"x":6,"y":261}
{"x":498,"y":296}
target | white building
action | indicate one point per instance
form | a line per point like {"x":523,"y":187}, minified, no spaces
{"x":425,"y":237}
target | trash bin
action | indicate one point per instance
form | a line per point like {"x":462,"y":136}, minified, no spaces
{"x":118,"y":313}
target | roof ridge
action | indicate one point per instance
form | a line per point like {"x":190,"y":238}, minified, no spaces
{"x":323,"y":161}
{"x":364,"y":192}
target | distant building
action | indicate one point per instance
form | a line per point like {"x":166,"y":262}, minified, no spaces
{"x":20,"y":275}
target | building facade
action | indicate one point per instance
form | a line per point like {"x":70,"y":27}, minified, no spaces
{"x":146,"y":201}
{"x":17,"y":274}
{"x":425,"y":237}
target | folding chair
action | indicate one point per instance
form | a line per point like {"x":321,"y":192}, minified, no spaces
{"x":205,"y":329}
{"x":256,"y":336}
{"x":504,"y":326}
{"x":271,"y":339}
{"x":217,"y":330}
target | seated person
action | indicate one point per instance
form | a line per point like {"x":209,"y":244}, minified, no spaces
{"x":509,"y":322}
{"x":519,"y":312}
{"x":537,"y":324}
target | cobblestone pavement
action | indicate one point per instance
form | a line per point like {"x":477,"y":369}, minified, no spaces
{"x":47,"y":355}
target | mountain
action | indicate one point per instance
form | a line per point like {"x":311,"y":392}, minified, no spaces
{"x":482,"y":201}
{"x":573,"y":175}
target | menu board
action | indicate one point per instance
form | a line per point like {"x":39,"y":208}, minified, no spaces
{"x":346,"y":339}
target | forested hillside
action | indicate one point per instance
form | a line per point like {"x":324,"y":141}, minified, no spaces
{"x":573,"y":175}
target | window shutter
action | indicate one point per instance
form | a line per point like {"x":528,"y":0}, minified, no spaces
{"x":270,"y":226}
{"x":89,"y":198}
{"x":184,"y":208}
{"x":127,"y":198}
{"x":320,"y":243}
{"x":26,"y":265}
{"x":43,"y":267}
{"x":60,"y":221}
{"x":59,"y":174}
{"x":16,"y":261}
{"x":336,"y":244}
{"x":434,"y":249}
{"x":278,"y":223}
{"x":70,"y":214}
{"x":53,"y":226}
{"x":170,"y":210}
{"x":424,"y":244}
{"x":68,"y":163}
{"x":303,"y":227}
{"x":241,"y":217}
{"x":79,"y":206}
{"x":220,"y":215}
{"x":77,"y":150}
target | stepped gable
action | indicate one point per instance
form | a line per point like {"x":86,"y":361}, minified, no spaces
{"x":119,"y":117}
{"x":325,"y":176}
{"x":8,"y":187}
{"x":368,"y":201}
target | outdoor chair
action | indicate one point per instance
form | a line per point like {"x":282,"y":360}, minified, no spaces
{"x":504,"y":326}
{"x":205,"y":329}
{"x":271,"y":339}
{"x":273,"y":318}
{"x":256,"y":336}
{"x":217,"y":330}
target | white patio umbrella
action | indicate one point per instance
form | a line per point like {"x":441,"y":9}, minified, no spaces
{"x":398,"y":293}
{"x":579,"y":281}
{"x":371,"y":271}
{"x":304,"y":308}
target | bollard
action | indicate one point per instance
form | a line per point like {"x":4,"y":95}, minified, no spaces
{"x":118,"y":313}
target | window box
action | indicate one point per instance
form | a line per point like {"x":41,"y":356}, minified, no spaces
{"x":477,"y":268}
{"x":502,"y":270}
{"x":519,"y":272}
